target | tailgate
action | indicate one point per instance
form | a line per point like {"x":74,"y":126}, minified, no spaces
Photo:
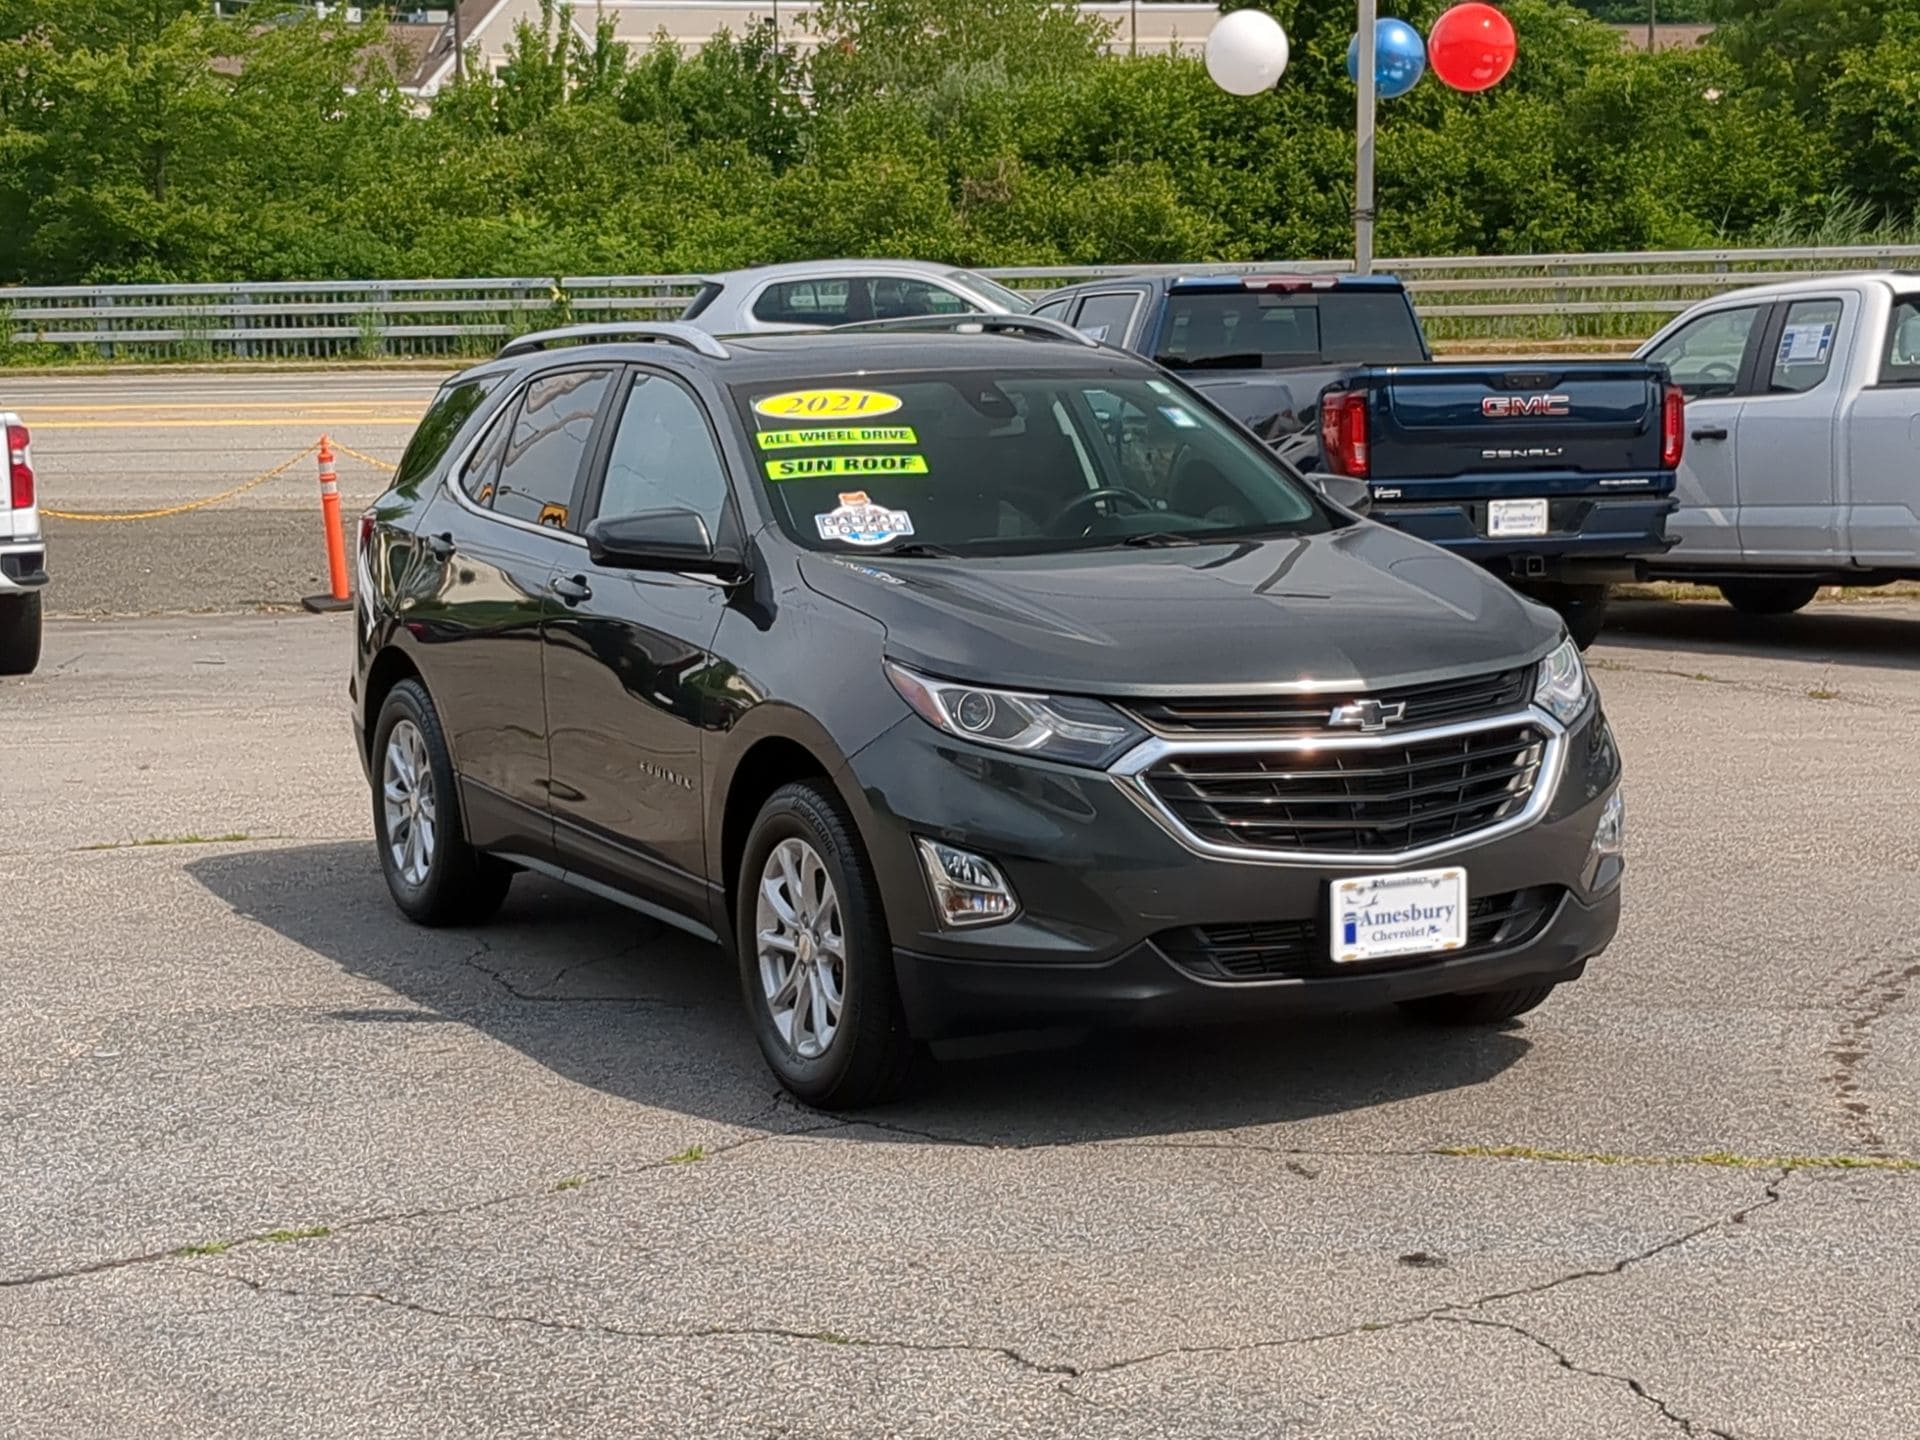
{"x":1496,"y":429}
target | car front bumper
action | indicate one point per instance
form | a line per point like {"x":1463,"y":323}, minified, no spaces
{"x":1122,"y":922}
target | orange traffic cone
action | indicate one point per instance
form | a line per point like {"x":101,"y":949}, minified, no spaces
{"x":340,"y":598}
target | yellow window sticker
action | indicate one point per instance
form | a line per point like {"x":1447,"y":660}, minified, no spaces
{"x":837,"y":435}
{"x":807,"y":467}
{"x":827,"y":404}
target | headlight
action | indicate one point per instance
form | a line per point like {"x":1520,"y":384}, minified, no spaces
{"x":1563,"y":689}
{"x":1064,"y":728}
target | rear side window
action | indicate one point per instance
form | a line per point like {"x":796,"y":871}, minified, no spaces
{"x":1805,"y":354}
{"x":1901,"y":365}
{"x":810,"y":302}
{"x":1256,"y":329}
{"x":451,"y":409}
{"x":550,"y":438}
{"x":895,"y":299}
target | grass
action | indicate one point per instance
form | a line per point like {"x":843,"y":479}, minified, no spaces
{"x":211,"y":1247}
{"x":282,"y":1237}
{"x":692,"y":1155}
{"x":572,"y":1182}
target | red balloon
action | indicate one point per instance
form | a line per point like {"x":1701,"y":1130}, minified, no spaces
{"x":1471,"y":47}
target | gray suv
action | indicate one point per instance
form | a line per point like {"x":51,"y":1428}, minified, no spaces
{"x":959,"y":681}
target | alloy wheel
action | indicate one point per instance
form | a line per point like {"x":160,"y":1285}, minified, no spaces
{"x":406,"y":794}
{"x":802,"y":947}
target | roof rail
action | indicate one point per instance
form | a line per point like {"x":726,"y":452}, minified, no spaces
{"x":1036,"y":326}
{"x":668,"y":331}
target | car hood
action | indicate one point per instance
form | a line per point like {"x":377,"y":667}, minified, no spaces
{"x":1362,"y":604}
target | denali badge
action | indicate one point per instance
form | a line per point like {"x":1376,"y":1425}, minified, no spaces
{"x":1368,"y":714}
{"x":1514,"y":407}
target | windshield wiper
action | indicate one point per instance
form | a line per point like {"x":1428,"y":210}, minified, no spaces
{"x":1159,"y":540}
{"x":916,"y":550}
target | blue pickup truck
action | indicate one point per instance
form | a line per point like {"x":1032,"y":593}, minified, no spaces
{"x":1556,"y":474}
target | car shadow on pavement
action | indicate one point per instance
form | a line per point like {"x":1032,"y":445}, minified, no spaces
{"x":609,"y":999}
{"x":1880,"y":635}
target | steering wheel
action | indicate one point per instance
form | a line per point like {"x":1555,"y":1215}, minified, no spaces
{"x":1093,"y":497}
{"x":1718,"y":373}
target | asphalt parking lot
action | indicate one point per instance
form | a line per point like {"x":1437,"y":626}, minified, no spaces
{"x":278,"y":1164}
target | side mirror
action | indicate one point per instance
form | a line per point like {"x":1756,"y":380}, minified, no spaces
{"x":1345,"y":491}
{"x":658,"y":540}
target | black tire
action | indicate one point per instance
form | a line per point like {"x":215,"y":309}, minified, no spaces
{"x":1583,"y":607}
{"x":461,"y":886}
{"x":870,"y":1053}
{"x":1769,"y":597}
{"x":20,"y":627}
{"x":1483,"y":1007}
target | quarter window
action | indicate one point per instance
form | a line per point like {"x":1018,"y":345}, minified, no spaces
{"x":1902,"y":363}
{"x":451,"y":409}
{"x":664,"y":456}
{"x":1704,"y":356}
{"x":550,"y":438}
{"x":1805,"y":353}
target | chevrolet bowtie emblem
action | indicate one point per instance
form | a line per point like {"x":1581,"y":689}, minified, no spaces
{"x":1368,"y":714}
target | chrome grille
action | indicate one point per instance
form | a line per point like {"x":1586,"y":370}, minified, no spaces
{"x":1467,"y":698}
{"x":1381,"y":797}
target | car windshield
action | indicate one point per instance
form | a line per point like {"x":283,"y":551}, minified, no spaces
{"x":1013,"y":300}
{"x":986,"y":463}
{"x":1281,"y":329}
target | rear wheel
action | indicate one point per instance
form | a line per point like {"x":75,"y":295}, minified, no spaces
{"x":1583,"y":607}
{"x":1769,"y":597}
{"x":1484,"y":1007}
{"x":20,"y":626}
{"x":816,"y":962}
{"x":433,"y":874}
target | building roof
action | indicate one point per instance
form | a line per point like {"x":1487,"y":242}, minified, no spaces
{"x":1665,"y":37}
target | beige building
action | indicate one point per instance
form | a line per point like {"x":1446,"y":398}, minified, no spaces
{"x":487,"y":27}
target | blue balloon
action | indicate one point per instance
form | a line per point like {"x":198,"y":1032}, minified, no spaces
{"x":1399,"y":58}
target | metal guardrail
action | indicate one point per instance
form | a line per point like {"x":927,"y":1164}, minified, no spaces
{"x":1523,"y":298}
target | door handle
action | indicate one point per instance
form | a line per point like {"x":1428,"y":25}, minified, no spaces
{"x":1710,"y":432}
{"x":571,"y":588}
{"x":441,"y":546}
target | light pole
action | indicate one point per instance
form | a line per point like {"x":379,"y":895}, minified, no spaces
{"x":1363,"y":143}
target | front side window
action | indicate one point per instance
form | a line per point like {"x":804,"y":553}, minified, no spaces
{"x":541,"y":467}
{"x":451,"y":409}
{"x":1902,"y":363}
{"x":1704,"y":356}
{"x":1805,"y":355}
{"x":664,"y":456}
{"x":483,"y":465}
{"x":978,"y":463}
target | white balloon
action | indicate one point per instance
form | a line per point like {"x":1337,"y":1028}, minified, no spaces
{"x":1247,"y":52}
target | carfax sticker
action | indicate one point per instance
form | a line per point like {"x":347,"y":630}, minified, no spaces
{"x":837,"y":435}
{"x":827,"y":404}
{"x":858,"y":521}
{"x":807,"y":467}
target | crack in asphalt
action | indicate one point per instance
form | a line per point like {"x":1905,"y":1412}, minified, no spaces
{"x":425,"y":1212}
{"x":1685,"y":1424}
{"x":474,"y":961}
{"x":1871,"y":1001}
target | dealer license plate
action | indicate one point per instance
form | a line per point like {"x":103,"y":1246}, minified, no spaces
{"x":1414,"y":912}
{"x":1509,"y":518}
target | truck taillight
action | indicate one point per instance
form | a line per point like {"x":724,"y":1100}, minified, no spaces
{"x":1673,"y":427}
{"x":19,"y":469}
{"x":1343,"y":433}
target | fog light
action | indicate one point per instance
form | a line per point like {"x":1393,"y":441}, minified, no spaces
{"x":967,"y":890}
{"x":1610,"y":835}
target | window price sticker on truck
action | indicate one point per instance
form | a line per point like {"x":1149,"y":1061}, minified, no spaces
{"x":1417,"y":912}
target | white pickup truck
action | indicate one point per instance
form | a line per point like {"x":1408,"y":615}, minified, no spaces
{"x":1802,"y":465}
{"x":23,"y":555}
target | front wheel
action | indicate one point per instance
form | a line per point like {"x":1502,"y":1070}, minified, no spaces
{"x":1769,"y":597}
{"x":433,"y":874}
{"x":1484,"y":1007}
{"x":20,"y":627}
{"x":816,"y":962}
